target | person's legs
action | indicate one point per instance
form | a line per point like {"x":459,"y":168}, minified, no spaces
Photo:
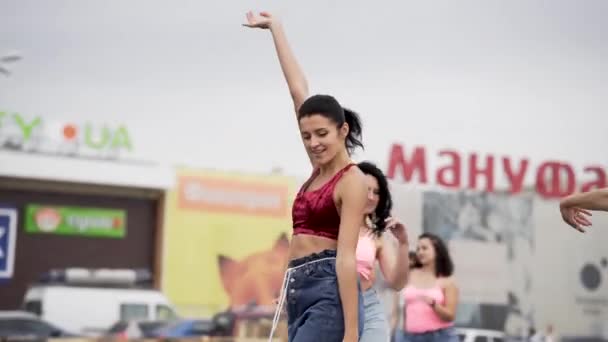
{"x":313,"y":300}
{"x":376,"y":327}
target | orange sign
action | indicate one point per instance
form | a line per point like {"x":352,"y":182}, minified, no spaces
{"x":232,"y":196}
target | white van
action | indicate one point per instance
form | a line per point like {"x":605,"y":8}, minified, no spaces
{"x":87,"y":302}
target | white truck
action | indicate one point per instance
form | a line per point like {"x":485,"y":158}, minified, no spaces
{"x":87,"y":302}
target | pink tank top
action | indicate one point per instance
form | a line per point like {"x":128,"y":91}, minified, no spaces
{"x":420,"y":316}
{"x":366,"y":256}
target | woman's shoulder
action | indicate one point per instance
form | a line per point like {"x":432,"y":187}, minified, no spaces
{"x":352,"y":178}
{"x":446,"y":282}
{"x":351,"y":170}
{"x":386,"y":239}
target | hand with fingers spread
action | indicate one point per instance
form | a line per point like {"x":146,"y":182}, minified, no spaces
{"x":263,"y":21}
{"x":397,"y":229}
{"x":575,"y":217}
{"x":576,"y":207}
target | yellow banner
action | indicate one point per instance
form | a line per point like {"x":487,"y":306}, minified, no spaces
{"x":225,"y":240}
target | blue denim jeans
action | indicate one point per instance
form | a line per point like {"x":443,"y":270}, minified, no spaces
{"x":314,"y":308}
{"x":441,"y":335}
{"x":376,"y":327}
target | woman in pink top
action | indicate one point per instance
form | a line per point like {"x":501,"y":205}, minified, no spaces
{"x":431,"y":294}
{"x":374,"y":245}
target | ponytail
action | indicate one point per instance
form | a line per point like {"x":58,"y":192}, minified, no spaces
{"x":355,"y":131}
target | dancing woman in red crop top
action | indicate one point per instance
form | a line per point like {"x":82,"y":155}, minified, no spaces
{"x":321,"y":289}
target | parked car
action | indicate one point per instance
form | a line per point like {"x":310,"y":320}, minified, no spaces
{"x":480,"y":335}
{"x":186,"y":328}
{"x":222,"y":324}
{"x":134,"y":329}
{"x":102,"y":296}
{"x":26,"y":325}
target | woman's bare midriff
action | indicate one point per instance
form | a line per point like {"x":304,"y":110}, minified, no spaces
{"x":303,"y":245}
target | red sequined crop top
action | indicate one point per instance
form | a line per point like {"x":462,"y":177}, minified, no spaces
{"x":314,"y":212}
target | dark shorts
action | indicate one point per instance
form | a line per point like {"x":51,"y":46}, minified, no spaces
{"x":314,"y":308}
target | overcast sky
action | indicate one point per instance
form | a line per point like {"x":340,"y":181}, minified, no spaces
{"x":519,"y":78}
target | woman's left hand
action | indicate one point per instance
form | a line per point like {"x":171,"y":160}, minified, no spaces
{"x":398,"y":230}
{"x":430,"y":301}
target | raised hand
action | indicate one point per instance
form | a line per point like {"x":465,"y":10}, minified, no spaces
{"x":263,"y":20}
{"x":398,"y":229}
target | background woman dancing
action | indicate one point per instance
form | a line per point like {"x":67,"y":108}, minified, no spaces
{"x":372,"y":246}
{"x":431,"y":294}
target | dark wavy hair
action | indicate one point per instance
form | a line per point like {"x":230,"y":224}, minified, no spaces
{"x":385,"y":203}
{"x":413,"y":258}
{"x":330,"y":108}
{"x":444,"y":267}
